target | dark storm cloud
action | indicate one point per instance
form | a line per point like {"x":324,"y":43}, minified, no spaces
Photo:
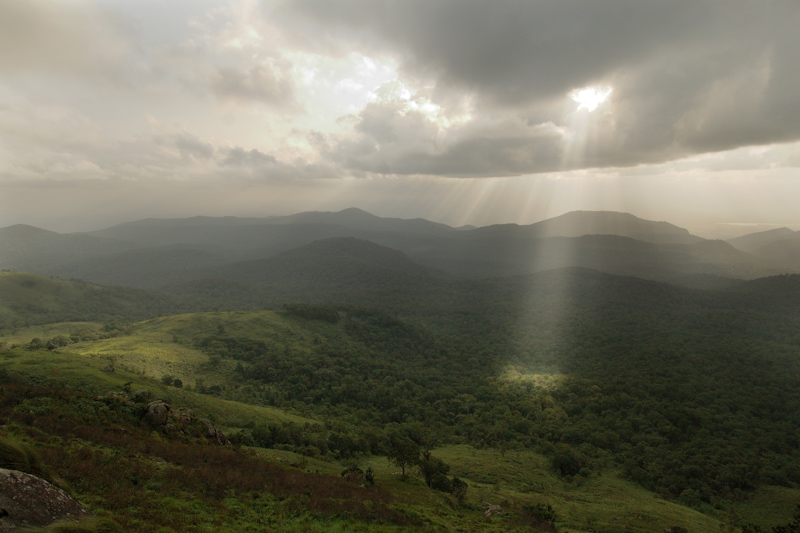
{"x":689,"y":77}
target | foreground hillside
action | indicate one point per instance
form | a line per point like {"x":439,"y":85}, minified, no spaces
{"x":130,"y":473}
{"x":648,"y":403}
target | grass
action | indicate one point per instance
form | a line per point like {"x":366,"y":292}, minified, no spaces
{"x":85,"y":372}
{"x":603,"y":502}
{"x":768,"y":506}
{"x":515,"y":478}
{"x":23,"y":336}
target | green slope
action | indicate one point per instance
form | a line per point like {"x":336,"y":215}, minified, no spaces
{"x":28,"y":299}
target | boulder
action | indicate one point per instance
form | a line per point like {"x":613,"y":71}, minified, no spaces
{"x":27,"y":501}
{"x":158,"y":412}
{"x":213,"y":433}
{"x":182,"y":421}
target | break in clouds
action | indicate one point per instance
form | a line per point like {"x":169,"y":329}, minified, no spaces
{"x":687,"y":77}
{"x":254,"y":94}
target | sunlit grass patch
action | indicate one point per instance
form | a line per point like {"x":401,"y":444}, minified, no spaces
{"x":23,"y":336}
{"x":539,"y":381}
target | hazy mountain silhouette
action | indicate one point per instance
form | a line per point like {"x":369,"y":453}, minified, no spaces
{"x":779,"y":247}
{"x":25,"y":247}
{"x":579,"y":223}
{"x":753,"y":241}
{"x":269,"y":232}
{"x":155,"y":252}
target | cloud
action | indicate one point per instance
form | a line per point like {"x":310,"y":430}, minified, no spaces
{"x":239,"y":157}
{"x":259,"y":83}
{"x":58,"y":143}
{"x":389,"y":138}
{"x":688,"y":77}
{"x":65,"y":37}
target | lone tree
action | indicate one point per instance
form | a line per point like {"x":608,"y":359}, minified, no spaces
{"x":403,"y":452}
{"x":434,"y":470}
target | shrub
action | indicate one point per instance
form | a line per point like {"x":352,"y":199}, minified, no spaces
{"x":459,"y":489}
{"x":541,"y":516}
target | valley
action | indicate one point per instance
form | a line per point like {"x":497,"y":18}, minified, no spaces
{"x":585,"y":373}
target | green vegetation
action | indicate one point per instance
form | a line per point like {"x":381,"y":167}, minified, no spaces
{"x":571,"y":400}
{"x":27,"y":300}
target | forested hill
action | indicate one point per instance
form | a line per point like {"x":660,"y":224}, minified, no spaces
{"x":28,"y":299}
{"x":25,"y":247}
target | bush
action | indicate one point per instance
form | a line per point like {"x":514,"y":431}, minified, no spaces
{"x":540,"y":516}
{"x":440,"y":482}
{"x":566,"y":463}
{"x":459,"y":489}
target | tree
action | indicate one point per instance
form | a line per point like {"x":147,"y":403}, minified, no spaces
{"x":433,"y":470}
{"x":403,"y":452}
{"x":36,"y":344}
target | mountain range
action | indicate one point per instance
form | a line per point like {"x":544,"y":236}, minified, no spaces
{"x":152,"y":253}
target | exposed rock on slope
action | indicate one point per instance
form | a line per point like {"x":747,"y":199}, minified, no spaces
{"x":28,"y":501}
{"x":182,"y":421}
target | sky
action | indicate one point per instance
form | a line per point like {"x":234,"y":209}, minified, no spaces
{"x":458,"y":111}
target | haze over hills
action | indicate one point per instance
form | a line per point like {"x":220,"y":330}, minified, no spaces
{"x":780,"y":247}
{"x":580,"y":223}
{"x":155,"y":252}
{"x":25,"y":247}
{"x":753,"y":241}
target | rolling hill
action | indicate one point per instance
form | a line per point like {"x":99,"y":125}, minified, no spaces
{"x":27,"y":299}
{"x":153,"y":253}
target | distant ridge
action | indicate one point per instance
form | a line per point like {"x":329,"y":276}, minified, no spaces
{"x":339,"y":260}
{"x":580,"y":223}
{"x":152,"y":253}
{"x":753,"y":241}
{"x":158,"y":232}
{"x":24,"y":247}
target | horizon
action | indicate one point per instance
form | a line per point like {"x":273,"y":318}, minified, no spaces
{"x":735,"y":229}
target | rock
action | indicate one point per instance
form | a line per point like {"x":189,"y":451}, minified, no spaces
{"x":183,"y":421}
{"x":158,"y":412}
{"x":213,"y":433}
{"x":29,"y":501}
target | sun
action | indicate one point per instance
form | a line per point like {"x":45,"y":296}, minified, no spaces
{"x":589,"y":98}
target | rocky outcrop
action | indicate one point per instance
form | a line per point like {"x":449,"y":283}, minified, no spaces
{"x":182,"y":422}
{"x":28,"y":501}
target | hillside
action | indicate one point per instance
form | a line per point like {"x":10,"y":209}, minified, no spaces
{"x":147,"y":268}
{"x":153,"y":253}
{"x":588,"y":376}
{"x":784,"y":252}
{"x":580,"y":223}
{"x":28,"y":248}
{"x":752,"y":242}
{"x":504,"y":254}
{"x":27,"y":299}
{"x":585,"y":375}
